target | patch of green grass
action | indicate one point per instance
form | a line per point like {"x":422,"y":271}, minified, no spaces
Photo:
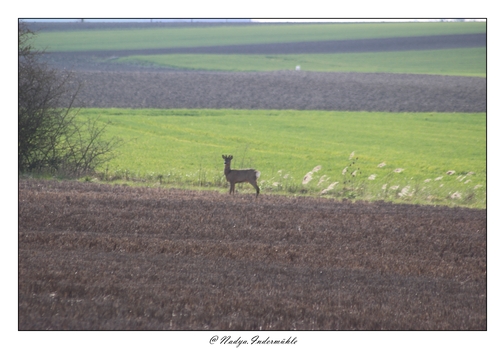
{"x":463,"y":62}
{"x":184,"y":148}
{"x":126,"y":39}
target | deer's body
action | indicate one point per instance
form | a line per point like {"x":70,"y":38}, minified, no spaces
{"x":239,"y":176}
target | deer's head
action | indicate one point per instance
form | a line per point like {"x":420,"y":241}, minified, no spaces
{"x":227,"y":159}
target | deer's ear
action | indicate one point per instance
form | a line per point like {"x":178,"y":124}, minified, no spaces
{"x":223,"y":157}
{"x":231,"y":157}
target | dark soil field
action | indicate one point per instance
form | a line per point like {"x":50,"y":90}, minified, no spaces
{"x":282,"y":90}
{"x":114,"y":257}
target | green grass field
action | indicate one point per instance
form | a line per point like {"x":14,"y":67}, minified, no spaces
{"x":85,"y":40}
{"x":184,"y":148}
{"x":462,"y":62}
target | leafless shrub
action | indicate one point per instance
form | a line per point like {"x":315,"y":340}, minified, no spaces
{"x":50,"y":137}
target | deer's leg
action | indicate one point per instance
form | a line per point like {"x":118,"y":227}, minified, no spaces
{"x":232,"y":188}
{"x":254,"y":184}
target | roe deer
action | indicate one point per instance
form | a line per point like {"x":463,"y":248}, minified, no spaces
{"x":239,"y":176}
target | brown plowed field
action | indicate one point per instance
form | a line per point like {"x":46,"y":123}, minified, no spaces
{"x":113,"y":257}
{"x":328,"y":46}
{"x":282,"y":90}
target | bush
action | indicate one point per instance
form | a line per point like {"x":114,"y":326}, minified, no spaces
{"x":50,"y":137}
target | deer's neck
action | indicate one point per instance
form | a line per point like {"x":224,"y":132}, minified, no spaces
{"x":227,"y":169}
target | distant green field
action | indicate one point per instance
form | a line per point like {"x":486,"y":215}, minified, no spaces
{"x":184,"y":148}
{"x":85,"y":40}
{"x":462,"y":62}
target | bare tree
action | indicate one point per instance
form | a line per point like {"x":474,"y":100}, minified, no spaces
{"x":50,"y":135}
